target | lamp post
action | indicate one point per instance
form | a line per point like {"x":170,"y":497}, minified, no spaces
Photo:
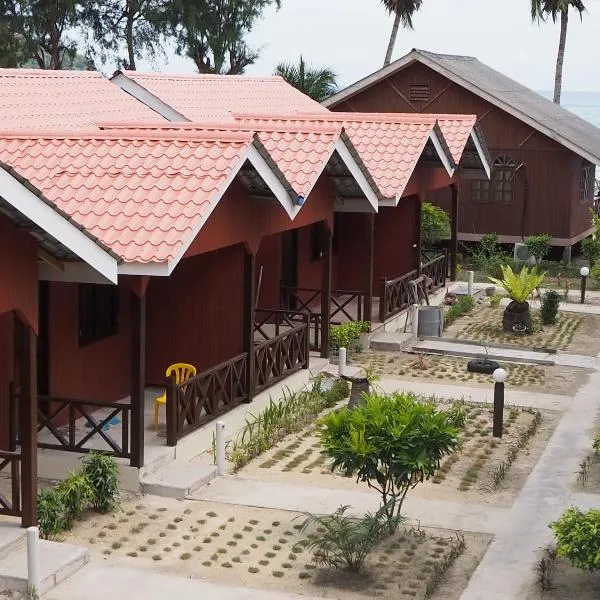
{"x":584,"y":272}
{"x":499,"y":376}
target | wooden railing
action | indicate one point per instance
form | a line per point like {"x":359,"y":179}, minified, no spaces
{"x":436,"y":268}
{"x":278,"y":321}
{"x":396,"y":295}
{"x":346,"y":305}
{"x":200,"y":399}
{"x":282,"y":355}
{"x":71,"y":438}
{"x":12,"y":461}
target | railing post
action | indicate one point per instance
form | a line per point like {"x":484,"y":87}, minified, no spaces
{"x":306,"y":341}
{"x":382,"y":300}
{"x":172,"y":410}
{"x":138,"y":375}
{"x":454,"y":233}
{"x":418,"y":243}
{"x":12,"y":417}
{"x":370,"y":261}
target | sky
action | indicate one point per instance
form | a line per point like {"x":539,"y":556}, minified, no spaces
{"x":351,"y":37}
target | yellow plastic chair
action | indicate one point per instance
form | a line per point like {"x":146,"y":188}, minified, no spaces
{"x":182,"y":372}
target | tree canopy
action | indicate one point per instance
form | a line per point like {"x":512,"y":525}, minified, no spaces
{"x":319,"y":84}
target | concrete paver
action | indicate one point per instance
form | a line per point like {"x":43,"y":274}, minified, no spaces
{"x":302,"y":498}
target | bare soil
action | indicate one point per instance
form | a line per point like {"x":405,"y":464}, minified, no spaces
{"x":466,"y":476}
{"x":568,"y":583}
{"x":264,"y":548}
{"x":537,"y":378}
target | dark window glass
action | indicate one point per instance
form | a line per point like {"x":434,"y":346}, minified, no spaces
{"x":98,"y":312}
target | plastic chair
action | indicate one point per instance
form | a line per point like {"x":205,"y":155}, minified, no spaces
{"x":182,"y":372}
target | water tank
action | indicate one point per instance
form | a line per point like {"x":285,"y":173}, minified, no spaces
{"x":431,"y":321}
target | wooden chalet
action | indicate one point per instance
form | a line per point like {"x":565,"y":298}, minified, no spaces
{"x":543,"y":156}
{"x":129,"y":246}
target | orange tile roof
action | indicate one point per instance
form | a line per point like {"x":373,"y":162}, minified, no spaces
{"x":38,"y":99}
{"x":141,"y":194}
{"x":299,"y":150}
{"x":204,"y":98}
{"x":389,"y":145}
{"x":456,"y":129}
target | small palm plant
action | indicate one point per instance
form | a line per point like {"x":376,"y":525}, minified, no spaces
{"x":518,"y":286}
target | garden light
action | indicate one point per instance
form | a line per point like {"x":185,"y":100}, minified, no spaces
{"x":584,"y":272}
{"x":499,"y":376}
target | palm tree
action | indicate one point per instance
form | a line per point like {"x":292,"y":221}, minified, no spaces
{"x":540,"y":11}
{"x":319,"y":84}
{"x":403,"y":13}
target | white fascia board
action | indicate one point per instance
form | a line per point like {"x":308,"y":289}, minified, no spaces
{"x":44,"y":216}
{"x":357,"y":173}
{"x":151,"y":269}
{"x":353,"y":205}
{"x":441,"y":153}
{"x":146,"y":97}
{"x":273,"y":182}
{"x":484,"y":161}
{"x":79,"y":272}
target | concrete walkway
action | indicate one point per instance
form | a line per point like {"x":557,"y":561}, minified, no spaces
{"x":302,"y":498}
{"x":508,"y":566}
{"x":100,"y":583}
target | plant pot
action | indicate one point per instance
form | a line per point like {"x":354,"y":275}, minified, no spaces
{"x":516,"y":313}
{"x":519,"y":329}
{"x":490,"y":291}
{"x":482,"y":365}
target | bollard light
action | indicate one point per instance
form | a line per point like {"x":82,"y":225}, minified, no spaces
{"x":33,"y":562}
{"x":220,"y":448}
{"x":341,"y":361}
{"x":584,"y":272}
{"x":499,"y":376}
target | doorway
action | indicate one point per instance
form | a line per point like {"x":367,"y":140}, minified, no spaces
{"x":43,"y":350}
{"x":289,"y":265}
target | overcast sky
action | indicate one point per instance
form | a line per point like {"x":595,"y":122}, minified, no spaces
{"x":351,"y":36}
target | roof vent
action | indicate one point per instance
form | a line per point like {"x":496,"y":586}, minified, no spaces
{"x":419,"y":93}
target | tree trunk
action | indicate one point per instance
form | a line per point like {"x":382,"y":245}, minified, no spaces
{"x":392,"y":43}
{"x":564,"y":21}
{"x":129,"y":39}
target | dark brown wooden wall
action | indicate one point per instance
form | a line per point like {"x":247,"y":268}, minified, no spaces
{"x":269,"y":258}
{"x":195,"y":315}
{"x":99,"y":371}
{"x":6,"y":373}
{"x":552,"y":170}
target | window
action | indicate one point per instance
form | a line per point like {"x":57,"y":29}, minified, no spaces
{"x":586,"y":181}
{"x":503,"y":176}
{"x":480,"y":191}
{"x":419,"y":93}
{"x":98,"y":312}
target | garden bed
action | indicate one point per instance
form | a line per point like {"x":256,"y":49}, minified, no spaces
{"x":560,"y":380}
{"x":263,"y":548}
{"x":479,"y":473}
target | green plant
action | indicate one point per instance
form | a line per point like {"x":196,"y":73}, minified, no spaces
{"x":52,"y":519}
{"x":76,"y":493}
{"x":577,"y":537}
{"x":495,"y":300}
{"x":549,"y":310}
{"x":596,"y":444}
{"x":462,"y":306}
{"x":539,"y":245}
{"x":347,"y":335}
{"x":458,"y":415}
{"x":345,"y":542}
{"x":390,"y":442}
{"x":103,"y":473}
{"x":435,"y":224}
{"x":519,"y":285}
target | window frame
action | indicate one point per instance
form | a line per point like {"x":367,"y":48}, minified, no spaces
{"x":587,"y":180}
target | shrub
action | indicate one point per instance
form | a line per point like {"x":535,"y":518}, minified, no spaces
{"x":77,"y":494}
{"x":391,"y":443}
{"x":549,"y":310}
{"x":347,"y":335}
{"x":463,"y":305}
{"x":458,"y":415}
{"x":539,"y":245}
{"x":577,"y":537}
{"x":520,"y":285}
{"x":52,"y":519}
{"x":596,"y":444}
{"x":345,"y":542}
{"x":590,"y":248}
{"x":435,"y":224}
{"x":103,"y":473}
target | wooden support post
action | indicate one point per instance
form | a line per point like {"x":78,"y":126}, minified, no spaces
{"x":172,"y":410}
{"x":454,"y":232}
{"x":369,"y":272}
{"x":138,"y":377}
{"x":27,"y":377}
{"x":382,"y":303}
{"x":326,"y":289}
{"x":418,"y":203}
{"x":249,"y":319}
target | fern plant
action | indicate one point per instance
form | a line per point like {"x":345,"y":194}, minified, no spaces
{"x":520,"y":285}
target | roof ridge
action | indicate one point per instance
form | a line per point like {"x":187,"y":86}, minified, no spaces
{"x":441,"y":55}
{"x":197,"y":76}
{"x":48,"y":73}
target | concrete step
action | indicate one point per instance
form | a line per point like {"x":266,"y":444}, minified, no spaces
{"x":391,"y":341}
{"x":12,"y":537}
{"x":178,"y":480}
{"x":57,"y":562}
